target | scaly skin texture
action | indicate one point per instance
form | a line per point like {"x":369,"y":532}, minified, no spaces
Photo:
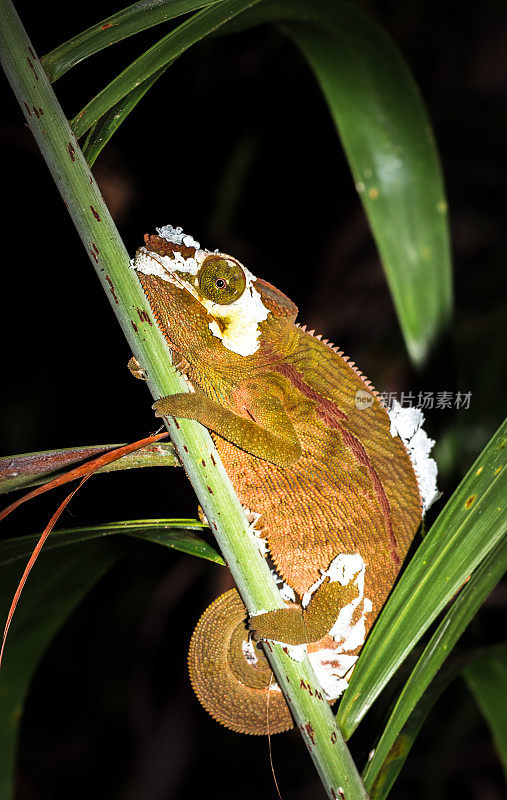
{"x":325,"y":477}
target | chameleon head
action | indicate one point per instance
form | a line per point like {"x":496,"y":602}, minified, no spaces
{"x":223,"y":302}
{"x":212,"y":290}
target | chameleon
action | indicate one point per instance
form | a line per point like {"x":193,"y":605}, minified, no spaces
{"x":328,"y":486}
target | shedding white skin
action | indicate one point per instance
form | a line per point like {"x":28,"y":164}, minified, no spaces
{"x":248,"y":649}
{"x":239,"y":321}
{"x":333,"y":665}
{"x":177,"y":236}
{"x":261,"y":542}
{"x":295,"y":651}
{"x":407,"y":424}
{"x":249,"y":652}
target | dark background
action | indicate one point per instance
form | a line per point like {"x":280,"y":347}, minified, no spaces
{"x":235,"y":145}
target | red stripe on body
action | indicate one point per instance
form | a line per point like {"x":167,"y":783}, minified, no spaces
{"x":358,"y":450}
{"x":295,"y":378}
{"x":333,"y":416}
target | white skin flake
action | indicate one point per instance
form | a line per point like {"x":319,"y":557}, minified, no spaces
{"x":150,"y":263}
{"x":349,"y":631}
{"x":260,"y":541}
{"x":248,"y":649}
{"x":295,"y":651}
{"x":407,"y":424}
{"x":177,"y":236}
{"x":330,"y":669}
{"x":333,"y":665}
{"x":239,"y":328}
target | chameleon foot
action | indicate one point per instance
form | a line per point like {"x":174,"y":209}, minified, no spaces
{"x":298,"y":625}
{"x":181,"y":364}
{"x":137,"y":370}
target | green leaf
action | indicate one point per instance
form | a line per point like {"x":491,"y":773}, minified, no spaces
{"x":403,"y":743}
{"x":472,"y":523}
{"x":108,"y":124}
{"x":177,"y":534}
{"x":59,"y":581}
{"x":131,"y":20}
{"x":157,"y":57}
{"x":436,"y":651}
{"x":486,"y":678}
{"x":389,"y":143}
{"x":53,"y":591}
{"x":32,"y":469}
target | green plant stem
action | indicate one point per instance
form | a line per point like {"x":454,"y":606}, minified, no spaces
{"x":192,"y":442}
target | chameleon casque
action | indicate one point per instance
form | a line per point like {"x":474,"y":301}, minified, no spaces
{"x":329,"y":487}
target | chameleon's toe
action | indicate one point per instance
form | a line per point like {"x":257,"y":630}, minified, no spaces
{"x":162,"y":407}
{"x":136,"y":370}
{"x":181,"y":364}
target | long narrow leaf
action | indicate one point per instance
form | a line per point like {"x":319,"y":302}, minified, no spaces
{"x":109,"y":123}
{"x":389,"y":144}
{"x":177,"y":534}
{"x":83,"y":471}
{"x":56,"y":587}
{"x":31,"y":469}
{"x":472,"y":523}
{"x":436,"y":651}
{"x":486,"y":678}
{"x":166,"y":50}
{"x":131,"y":20}
{"x":404,"y":742}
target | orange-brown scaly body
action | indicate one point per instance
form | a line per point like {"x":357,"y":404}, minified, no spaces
{"x":320,"y":471}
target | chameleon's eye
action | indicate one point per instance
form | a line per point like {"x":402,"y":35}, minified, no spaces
{"x":221,"y":281}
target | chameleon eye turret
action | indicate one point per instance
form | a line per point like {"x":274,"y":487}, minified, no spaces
{"x":331,"y":490}
{"x":221,"y":281}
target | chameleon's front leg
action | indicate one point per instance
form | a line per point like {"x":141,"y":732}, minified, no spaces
{"x":267,"y":432}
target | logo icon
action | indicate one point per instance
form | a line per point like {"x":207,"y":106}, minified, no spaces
{"x":363,"y":399}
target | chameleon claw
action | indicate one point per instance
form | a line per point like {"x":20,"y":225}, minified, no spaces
{"x":136,"y":370}
{"x":182,"y":365}
{"x":253,"y":636}
{"x":202,"y":516}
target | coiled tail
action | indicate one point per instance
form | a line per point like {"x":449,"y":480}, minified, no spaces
{"x":230,"y":676}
